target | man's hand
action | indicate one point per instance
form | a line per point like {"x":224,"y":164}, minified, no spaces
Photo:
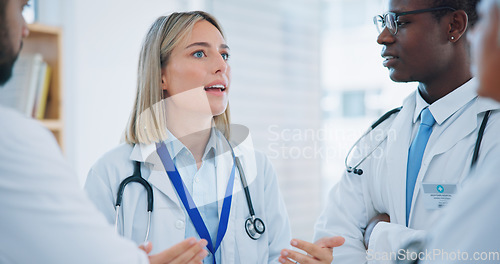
{"x":188,"y":251}
{"x":371,"y":224}
{"x":319,"y":252}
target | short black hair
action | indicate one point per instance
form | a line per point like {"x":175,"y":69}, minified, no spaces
{"x":469,"y":6}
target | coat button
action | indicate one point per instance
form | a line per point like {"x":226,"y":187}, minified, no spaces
{"x":179,"y":224}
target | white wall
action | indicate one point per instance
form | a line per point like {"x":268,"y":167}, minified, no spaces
{"x":352,"y":62}
{"x":101,"y":47}
{"x":275,"y":48}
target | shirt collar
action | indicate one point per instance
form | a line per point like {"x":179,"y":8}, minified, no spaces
{"x":211,"y":145}
{"x":142,"y":152}
{"x":445,"y":107}
{"x":175,"y":146}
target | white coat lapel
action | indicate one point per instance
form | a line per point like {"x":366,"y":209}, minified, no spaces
{"x":158,"y":176}
{"x":224,"y":164}
{"x":464,"y":125}
{"x":228,"y":245}
{"x":397,"y":158}
{"x":457,"y":130}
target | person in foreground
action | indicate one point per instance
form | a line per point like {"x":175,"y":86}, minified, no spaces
{"x":395,"y":194}
{"x":467,"y":233}
{"x":199,"y":167}
{"x":46,"y":216}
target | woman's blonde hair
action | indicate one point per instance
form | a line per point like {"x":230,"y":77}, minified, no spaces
{"x":147,"y":123}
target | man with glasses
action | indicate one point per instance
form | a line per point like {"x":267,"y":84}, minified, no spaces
{"x":399,"y":192}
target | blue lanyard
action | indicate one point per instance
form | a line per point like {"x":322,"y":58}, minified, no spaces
{"x":189,"y":204}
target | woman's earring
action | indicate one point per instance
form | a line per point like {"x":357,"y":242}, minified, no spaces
{"x":452,"y":38}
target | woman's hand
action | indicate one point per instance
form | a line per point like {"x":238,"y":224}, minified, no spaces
{"x":319,"y":252}
{"x":188,"y":251}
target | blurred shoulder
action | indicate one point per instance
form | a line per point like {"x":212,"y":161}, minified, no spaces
{"x":23,"y":134}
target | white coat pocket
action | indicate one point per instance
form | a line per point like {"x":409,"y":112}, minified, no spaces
{"x":250,"y":250}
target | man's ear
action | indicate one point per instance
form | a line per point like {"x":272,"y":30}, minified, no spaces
{"x":458,"y":23}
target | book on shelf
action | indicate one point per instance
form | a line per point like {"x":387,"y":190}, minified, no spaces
{"x":27,"y":90}
{"x":42,"y":91}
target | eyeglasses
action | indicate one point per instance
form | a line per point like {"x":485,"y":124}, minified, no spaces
{"x":390,"y":19}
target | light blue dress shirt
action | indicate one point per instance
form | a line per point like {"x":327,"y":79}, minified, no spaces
{"x":201,"y":184}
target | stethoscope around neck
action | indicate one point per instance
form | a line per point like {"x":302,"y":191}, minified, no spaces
{"x":355,"y":168}
{"x":136,"y":177}
{"x":254,"y":226}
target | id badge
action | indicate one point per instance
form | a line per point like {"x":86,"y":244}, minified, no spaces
{"x":438,"y":195}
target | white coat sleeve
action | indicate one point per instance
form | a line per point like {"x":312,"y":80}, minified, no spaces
{"x":277,"y":221}
{"x":46,"y":216}
{"x":103,"y":181}
{"x":390,"y":238}
{"x":101,"y":194}
{"x":346,"y":214}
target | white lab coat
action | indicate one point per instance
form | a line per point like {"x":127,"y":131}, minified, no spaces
{"x":168,"y":217}
{"x":468,"y":232}
{"x":46,"y":216}
{"x":382,"y":186}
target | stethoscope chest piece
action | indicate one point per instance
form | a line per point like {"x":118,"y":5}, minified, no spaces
{"x":255,"y":227}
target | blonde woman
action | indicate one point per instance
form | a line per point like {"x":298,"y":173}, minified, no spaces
{"x":180,"y":140}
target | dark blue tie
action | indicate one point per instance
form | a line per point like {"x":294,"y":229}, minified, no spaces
{"x":415,"y":155}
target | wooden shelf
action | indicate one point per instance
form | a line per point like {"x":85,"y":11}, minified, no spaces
{"x":47,"y":40}
{"x":43,"y":29}
{"x":53,"y":124}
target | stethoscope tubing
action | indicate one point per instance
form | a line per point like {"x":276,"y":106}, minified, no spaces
{"x":355,"y":169}
{"x":245,"y":186}
{"x":136,"y":177}
{"x":370,"y":129}
{"x":254,"y":226}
